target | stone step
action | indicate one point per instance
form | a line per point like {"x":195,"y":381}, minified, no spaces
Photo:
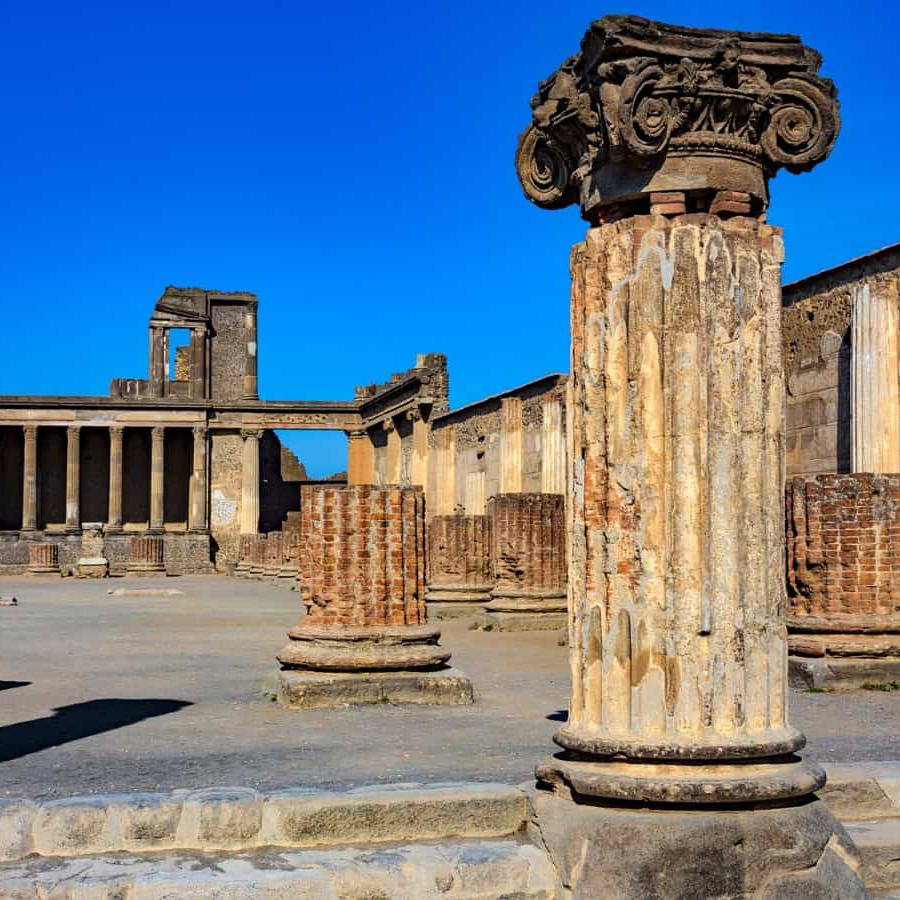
{"x":240,"y":819}
{"x":480,"y":870}
{"x":878,"y":843}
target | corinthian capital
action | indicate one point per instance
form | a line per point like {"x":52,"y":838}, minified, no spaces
{"x":650,"y":108}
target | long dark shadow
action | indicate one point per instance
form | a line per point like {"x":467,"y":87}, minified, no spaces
{"x":80,"y":720}
{"x":9,"y":685}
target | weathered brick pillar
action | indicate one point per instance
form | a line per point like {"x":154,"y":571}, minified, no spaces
{"x":245,"y":555}
{"x":843,"y":565}
{"x":272,"y":565}
{"x":258,"y":555}
{"x":362,"y":581}
{"x":459,"y":565}
{"x":528,"y":558}
{"x":666,"y":138}
{"x":147,"y":556}
{"x":43,"y":558}
{"x":290,"y":547}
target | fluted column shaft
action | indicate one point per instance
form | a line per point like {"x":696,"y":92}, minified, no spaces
{"x":250,"y":481}
{"x":677,"y":574}
{"x":251,"y":381}
{"x":157,"y":478}
{"x":442,"y":475}
{"x":418,"y":461}
{"x":511,"y":445}
{"x":476,"y":494}
{"x":553,"y":451}
{"x":29,"y":480}
{"x":199,"y":505}
{"x":875,"y":370}
{"x":73,"y":478}
{"x":115,"y":478}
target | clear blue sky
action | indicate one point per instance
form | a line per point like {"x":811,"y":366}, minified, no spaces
{"x":352,"y":164}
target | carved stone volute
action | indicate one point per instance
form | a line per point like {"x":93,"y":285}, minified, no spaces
{"x":651,"y":108}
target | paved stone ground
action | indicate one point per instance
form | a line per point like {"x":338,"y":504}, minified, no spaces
{"x":101,"y":693}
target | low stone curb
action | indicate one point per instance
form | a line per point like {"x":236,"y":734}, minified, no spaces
{"x":244,"y":819}
{"x":860,"y":791}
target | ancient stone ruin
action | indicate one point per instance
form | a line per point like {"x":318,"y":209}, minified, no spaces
{"x":362,"y":552}
{"x":666,"y":138}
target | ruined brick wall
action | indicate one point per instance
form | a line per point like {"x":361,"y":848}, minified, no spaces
{"x":459,"y":551}
{"x":528,"y":542}
{"x":226,"y":466}
{"x":478,"y":437}
{"x":362,"y":555}
{"x":228,"y":351}
{"x":816,"y":351}
{"x":843,"y":548}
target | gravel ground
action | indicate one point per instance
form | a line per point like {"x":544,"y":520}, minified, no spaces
{"x":101,"y":693}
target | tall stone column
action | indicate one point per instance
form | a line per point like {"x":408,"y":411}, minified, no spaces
{"x":157,"y":478}
{"x":251,"y":381}
{"x":362,"y":580}
{"x":360,"y":458}
{"x":418,"y":459}
{"x":29,"y":479}
{"x":73,"y":478}
{"x":476,"y":493}
{"x":510,"y":445}
{"x":676,"y":579}
{"x":250,"y":481}
{"x":392,"y":460}
{"x":198,"y":363}
{"x":159,"y":361}
{"x":199,"y":488}
{"x":442,"y":474}
{"x":553,"y":450}
{"x":875,"y":371}
{"x":114,"y":522}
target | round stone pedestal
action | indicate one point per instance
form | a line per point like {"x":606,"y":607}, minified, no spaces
{"x":525,"y":609}
{"x":453,"y":601}
{"x":147,"y":556}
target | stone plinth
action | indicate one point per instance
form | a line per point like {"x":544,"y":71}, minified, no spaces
{"x":459,"y":565}
{"x":147,"y":556}
{"x":528,"y":556}
{"x":843,"y":565}
{"x":92,"y":563}
{"x":43,"y":558}
{"x":362,"y":556}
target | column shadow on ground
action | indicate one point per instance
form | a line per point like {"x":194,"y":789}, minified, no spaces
{"x":9,"y":685}
{"x":80,"y":720}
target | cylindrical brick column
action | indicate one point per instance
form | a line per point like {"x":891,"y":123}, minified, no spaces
{"x":258,"y":555}
{"x":198,"y":486}
{"x":157,"y":478}
{"x":290,"y":547}
{"x":147,"y":556}
{"x":676,"y":628}
{"x":251,"y":381}
{"x":43,"y":558}
{"x":843,"y":565}
{"x":73,"y":478}
{"x":528,"y":556}
{"x":29,"y":480}
{"x":114,"y":520}
{"x":459,"y":564}
{"x":250,"y":480}
{"x":362,"y":580}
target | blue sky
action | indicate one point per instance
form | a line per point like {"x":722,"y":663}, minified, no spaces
{"x":352,"y":164}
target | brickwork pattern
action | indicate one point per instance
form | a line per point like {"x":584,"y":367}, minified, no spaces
{"x":459,"y":550}
{"x":528,"y":541}
{"x":843,"y":548}
{"x":362,"y":552}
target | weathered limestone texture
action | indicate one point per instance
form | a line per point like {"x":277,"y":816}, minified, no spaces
{"x":360,"y":458}
{"x":553,"y":444}
{"x":362,"y":580}
{"x":147,"y":556}
{"x":874,"y":381}
{"x":250,"y":481}
{"x":510,"y":445}
{"x":843,"y":565}
{"x":459,"y":565}
{"x":676,"y":589}
{"x":528,"y":558}
{"x":43,"y":558}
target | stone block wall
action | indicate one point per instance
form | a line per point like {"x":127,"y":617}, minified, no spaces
{"x":362,"y":555}
{"x":843,"y":552}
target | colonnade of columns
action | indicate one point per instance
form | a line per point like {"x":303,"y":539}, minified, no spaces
{"x":197,"y":505}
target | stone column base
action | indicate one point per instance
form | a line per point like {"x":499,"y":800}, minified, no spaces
{"x":525,"y":610}
{"x":842,"y":674}
{"x":632,"y":853}
{"x":453,"y":601}
{"x":325,"y":690}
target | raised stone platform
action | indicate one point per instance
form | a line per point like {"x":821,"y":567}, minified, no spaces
{"x":325,"y":690}
{"x":836,"y":674}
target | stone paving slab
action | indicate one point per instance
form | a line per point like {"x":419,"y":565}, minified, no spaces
{"x":484,"y":870}
{"x":241,"y":818}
